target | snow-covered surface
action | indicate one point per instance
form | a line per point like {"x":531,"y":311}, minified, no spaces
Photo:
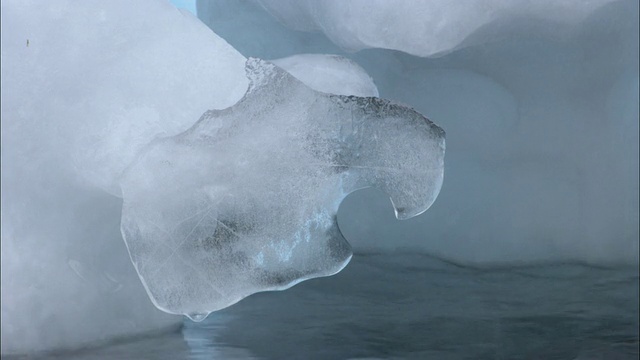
{"x":246,"y":200}
{"x":84,"y":86}
{"x":428,"y":27}
{"x":330,"y":74}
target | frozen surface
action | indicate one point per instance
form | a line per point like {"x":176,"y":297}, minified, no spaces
{"x":330,"y":74}
{"x":84,"y":86}
{"x":246,"y":200}
{"x":427,"y":28}
{"x":542,"y":134}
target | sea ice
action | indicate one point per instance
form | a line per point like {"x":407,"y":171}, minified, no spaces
{"x":246,"y":199}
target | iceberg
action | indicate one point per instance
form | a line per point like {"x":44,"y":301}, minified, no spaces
{"x":246,"y":199}
{"x":85,"y":85}
{"x":99,"y":99}
{"x":540,"y":107}
{"x":85,"y":88}
{"x":428,"y":28}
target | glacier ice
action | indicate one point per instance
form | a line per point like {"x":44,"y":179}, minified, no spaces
{"x":85,"y":85}
{"x":119,"y":81}
{"x":540,"y":102}
{"x":541,"y":131}
{"x":246,"y":199}
{"x":428,"y":28}
{"x":330,"y":74}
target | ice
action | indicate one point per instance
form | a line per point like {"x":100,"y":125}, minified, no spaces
{"x":118,"y":57}
{"x":330,"y":74}
{"x":427,"y":28}
{"x":542,"y":133}
{"x":246,"y":199}
{"x":540,"y":101}
{"x":85,"y":85}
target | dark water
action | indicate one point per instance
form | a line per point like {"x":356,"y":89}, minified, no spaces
{"x":417,"y":307}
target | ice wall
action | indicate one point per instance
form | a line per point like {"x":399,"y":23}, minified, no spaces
{"x":84,"y":86}
{"x":541,"y":112}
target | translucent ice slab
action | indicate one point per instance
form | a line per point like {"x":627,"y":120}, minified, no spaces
{"x":246,"y":200}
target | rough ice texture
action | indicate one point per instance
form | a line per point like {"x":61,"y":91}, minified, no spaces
{"x":542,"y":134}
{"x":330,"y":74}
{"x":246,"y":200}
{"x":85,"y":84}
{"x":428,"y":27}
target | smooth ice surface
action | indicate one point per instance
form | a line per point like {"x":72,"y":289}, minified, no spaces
{"x":117,"y":80}
{"x":426,"y":28}
{"x":85,"y":84}
{"x":246,"y":200}
{"x":330,"y":74}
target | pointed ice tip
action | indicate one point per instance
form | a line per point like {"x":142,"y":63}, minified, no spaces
{"x":404,"y":213}
{"x":197,"y":317}
{"x":401,"y":214}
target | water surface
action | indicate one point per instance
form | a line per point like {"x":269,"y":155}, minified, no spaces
{"x":410,"y":306}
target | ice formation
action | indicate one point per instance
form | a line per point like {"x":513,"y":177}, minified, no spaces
{"x":539,"y":98}
{"x":426,"y":28}
{"x":84,"y":86}
{"x":246,"y":200}
{"x":120,"y":82}
{"x":542,"y":130}
{"x":330,"y":74}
